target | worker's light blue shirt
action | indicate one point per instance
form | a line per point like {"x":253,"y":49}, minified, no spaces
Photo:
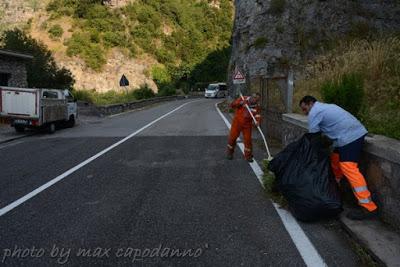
{"x":336,"y":123}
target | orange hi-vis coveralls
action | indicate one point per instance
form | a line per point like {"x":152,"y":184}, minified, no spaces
{"x":243,"y":122}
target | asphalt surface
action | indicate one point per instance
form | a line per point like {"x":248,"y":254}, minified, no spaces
{"x":167,"y":190}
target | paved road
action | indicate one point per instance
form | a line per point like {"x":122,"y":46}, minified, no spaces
{"x":166,"y":188}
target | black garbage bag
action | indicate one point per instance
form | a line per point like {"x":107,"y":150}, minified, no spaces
{"x":304,"y":177}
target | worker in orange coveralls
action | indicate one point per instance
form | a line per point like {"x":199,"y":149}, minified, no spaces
{"x":243,"y":122}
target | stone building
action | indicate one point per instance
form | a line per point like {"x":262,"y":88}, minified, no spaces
{"x":13,"y":69}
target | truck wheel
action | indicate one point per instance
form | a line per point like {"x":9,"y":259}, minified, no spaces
{"x":71,"y":121}
{"x":19,"y":129}
{"x":51,"y":128}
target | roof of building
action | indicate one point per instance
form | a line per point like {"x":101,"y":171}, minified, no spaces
{"x":15,"y":54}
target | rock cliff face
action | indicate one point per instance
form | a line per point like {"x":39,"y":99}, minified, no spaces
{"x":16,"y":13}
{"x":108,"y":79}
{"x":32,"y":16}
{"x":117,"y":3}
{"x":287,"y":33}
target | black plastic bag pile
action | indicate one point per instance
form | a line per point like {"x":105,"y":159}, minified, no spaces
{"x":304,"y":177}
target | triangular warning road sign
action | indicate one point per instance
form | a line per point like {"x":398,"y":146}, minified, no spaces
{"x":123,"y":81}
{"x":238,"y":76}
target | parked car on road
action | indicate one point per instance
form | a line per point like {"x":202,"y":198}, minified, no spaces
{"x":37,"y":108}
{"x":216,"y":90}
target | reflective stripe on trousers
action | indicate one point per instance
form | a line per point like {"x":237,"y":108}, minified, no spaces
{"x":236,"y":129}
{"x":358,"y":184}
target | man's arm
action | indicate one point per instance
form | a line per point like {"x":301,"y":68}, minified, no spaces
{"x":314,"y":120}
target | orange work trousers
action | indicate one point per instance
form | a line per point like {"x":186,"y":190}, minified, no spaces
{"x":356,"y":179}
{"x":236,"y":129}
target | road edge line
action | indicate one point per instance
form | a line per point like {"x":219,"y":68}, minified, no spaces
{"x":38,"y":190}
{"x":307,"y":251}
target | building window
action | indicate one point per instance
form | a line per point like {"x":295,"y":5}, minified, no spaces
{"x":4,"y":78}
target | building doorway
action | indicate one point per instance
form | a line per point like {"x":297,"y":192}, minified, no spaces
{"x":4,"y":79}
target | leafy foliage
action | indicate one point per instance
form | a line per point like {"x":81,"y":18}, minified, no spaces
{"x":378,"y":64}
{"x":347,"y":93}
{"x":42,"y":71}
{"x":91,"y":52}
{"x":160,"y":75}
{"x":167,"y":90}
{"x":179,"y":34}
{"x":213,"y":68}
{"x":56,"y":31}
{"x":107,"y":98}
{"x":143,"y":92}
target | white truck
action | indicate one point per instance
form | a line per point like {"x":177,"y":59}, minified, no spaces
{"x":216,"y":90}
{"x":37,"y":108}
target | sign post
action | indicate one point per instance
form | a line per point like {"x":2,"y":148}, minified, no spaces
{"x":238,"y":80}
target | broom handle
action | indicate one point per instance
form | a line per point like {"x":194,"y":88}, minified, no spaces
{"x":258,"y":127}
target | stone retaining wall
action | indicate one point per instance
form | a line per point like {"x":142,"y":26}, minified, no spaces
{"x":106,"y":110}
{"x":380,"y":164}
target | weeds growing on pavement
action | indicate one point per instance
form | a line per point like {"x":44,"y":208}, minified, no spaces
{"x":270,"y":186}
{"x":364,"y":257}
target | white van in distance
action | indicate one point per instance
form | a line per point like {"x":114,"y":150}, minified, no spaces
{"x":216,"y":90}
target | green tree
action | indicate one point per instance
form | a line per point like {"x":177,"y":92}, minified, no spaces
{"x":213,"y":68}
{"x":42,"y":71}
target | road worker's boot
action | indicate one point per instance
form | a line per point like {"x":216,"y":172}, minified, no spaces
{"x":230,"y":150}
{"x":249,"y":158}
{"x":362,"y":214}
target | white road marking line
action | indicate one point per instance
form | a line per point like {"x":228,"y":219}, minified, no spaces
{"x":138,"y":109}
{"x":306,"y":249}
{"x":30,"y":195}
{"x":125,"y":112}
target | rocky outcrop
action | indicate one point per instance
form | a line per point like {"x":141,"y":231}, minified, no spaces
{"x":286,"y":33}
{"x":18,"y":12}
{"x":117,"y":3}
{"x":108,"y":79}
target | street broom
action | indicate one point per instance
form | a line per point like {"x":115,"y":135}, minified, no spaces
{"x":258,"y":127}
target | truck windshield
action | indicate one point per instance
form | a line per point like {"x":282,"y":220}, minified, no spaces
{"x":212,"y":87}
